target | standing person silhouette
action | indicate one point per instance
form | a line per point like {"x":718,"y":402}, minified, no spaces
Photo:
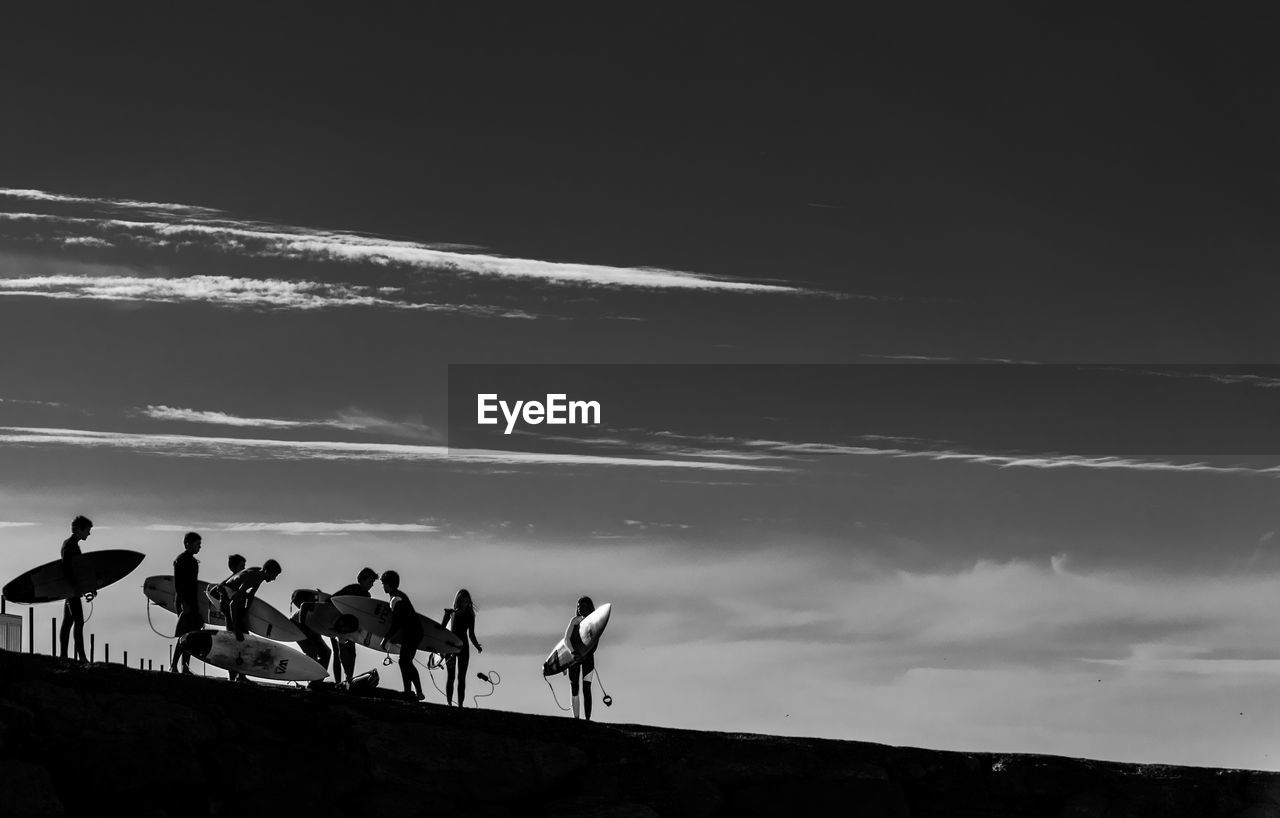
{"x":72,"y":610}
{"x":406,"y":631}
{"x":344,"y":650}
{"x":586,"y":664}
{"x":186,"y":570}
{"x":461,"y":619}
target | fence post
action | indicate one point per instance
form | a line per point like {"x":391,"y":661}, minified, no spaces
{"x":126,"y":659}
{"x":106,"y":653}
{"x":92,"y":649}
{"x":53,"y":636}
{"x":31,"y":630}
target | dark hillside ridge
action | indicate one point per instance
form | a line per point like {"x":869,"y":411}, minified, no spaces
{"x":75,"y":740}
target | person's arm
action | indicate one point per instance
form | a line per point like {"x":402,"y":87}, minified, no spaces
{"x":471,"y":631}
{"x":448,"y":615}
{"x":572,"y":639}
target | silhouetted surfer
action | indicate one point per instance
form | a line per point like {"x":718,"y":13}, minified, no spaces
{"x":586,"y":659}
{"x":186,"y":569}
{"x":235,"y":564}
{"x":72,"y":610}
{"x":406,"y":631}
{"x":345,"y":650}
{"x":313,"y":646}
{"x":461,"y":619}
{"x":243,"y":587}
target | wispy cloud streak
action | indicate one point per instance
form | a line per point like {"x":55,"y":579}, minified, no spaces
{"x":349,"y":420}
{"x":228,"y":291}
{"x":208,"y":230}
{"x":265,"y":449}
{"x":300,"y":528}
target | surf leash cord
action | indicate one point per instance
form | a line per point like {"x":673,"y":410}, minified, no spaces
{"x":493,"y":679}
{"x":554,"y":697}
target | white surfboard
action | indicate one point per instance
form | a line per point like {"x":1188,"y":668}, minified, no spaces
{"x":590,"y":628}
{"x":264,"y":620}
{"x":254,"y":656}
{"x":322,"y":617}
{"x":375,"y":618}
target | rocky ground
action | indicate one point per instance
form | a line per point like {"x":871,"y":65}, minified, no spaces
{"x":75,"y":740}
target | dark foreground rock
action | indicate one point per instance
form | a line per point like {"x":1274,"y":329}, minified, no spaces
{"x":75,"y":740}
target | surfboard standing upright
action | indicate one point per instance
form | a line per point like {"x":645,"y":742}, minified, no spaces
{"x":590,"y":629}
{"x":93,"y":570}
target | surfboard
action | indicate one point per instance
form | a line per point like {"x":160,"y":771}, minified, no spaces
{"x":264,"y":620}
{"x":321,"y":619}
{"x":589,"y":631}
{"x":93,"y":570}
{"x":254,"y":656}
{"x":375,"y":618}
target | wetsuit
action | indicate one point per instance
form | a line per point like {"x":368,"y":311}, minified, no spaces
{"x":72,"y":610}
{"x":463,"y":625}
{"x":313,"y":646}
{"x":345,"y":649}
{"x":186,"y":569}
{"x":584,"y":668}
{"x":243,"y":586}
{"x":406,"y":631}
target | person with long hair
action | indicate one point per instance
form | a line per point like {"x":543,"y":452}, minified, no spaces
{"x":406,"y":631}
{"x":461,"y":619}
{"x":586,"y":664}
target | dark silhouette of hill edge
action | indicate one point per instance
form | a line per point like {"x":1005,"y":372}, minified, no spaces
{"x":76,"y":739}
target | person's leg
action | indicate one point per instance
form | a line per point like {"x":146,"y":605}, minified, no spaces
{"x":325,"y":654}
{"x":588,"y":670}
{"x":410,"y":671}
{"x":347,"y":654}
{"x":464,"y":658}
{"x":224,"y":605}
{"x":77,"y":627}
{"x":239,"y":617}
{"x":64,"y":633}
{"x":450,"y":668}
{"x":574,"y":672}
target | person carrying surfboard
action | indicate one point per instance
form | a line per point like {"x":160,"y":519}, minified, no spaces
{"x":586,"y":664}
{"x":461,"y":619}
{"x":72,"y":610}
{"x":186,"y":569}
{"x":243,"y":587}
{"x":344,"y":651}
{"x":406,"y":631}
{"x":235,"y":564}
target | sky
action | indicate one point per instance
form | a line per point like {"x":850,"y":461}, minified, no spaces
{"x":936,"y":349}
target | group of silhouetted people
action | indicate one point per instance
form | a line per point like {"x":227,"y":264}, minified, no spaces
{"x":235,"y":594}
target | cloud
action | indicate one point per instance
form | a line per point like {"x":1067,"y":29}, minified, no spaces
{"x":728,"y":448}
{"x":264,"y":449}
{"x":206,"y":230}
{"x":110,"y":204}
{"x":15,"y":525}
{"x":350,"y":420}
{"x":235,"y":292}
{"x":298,"y":528}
